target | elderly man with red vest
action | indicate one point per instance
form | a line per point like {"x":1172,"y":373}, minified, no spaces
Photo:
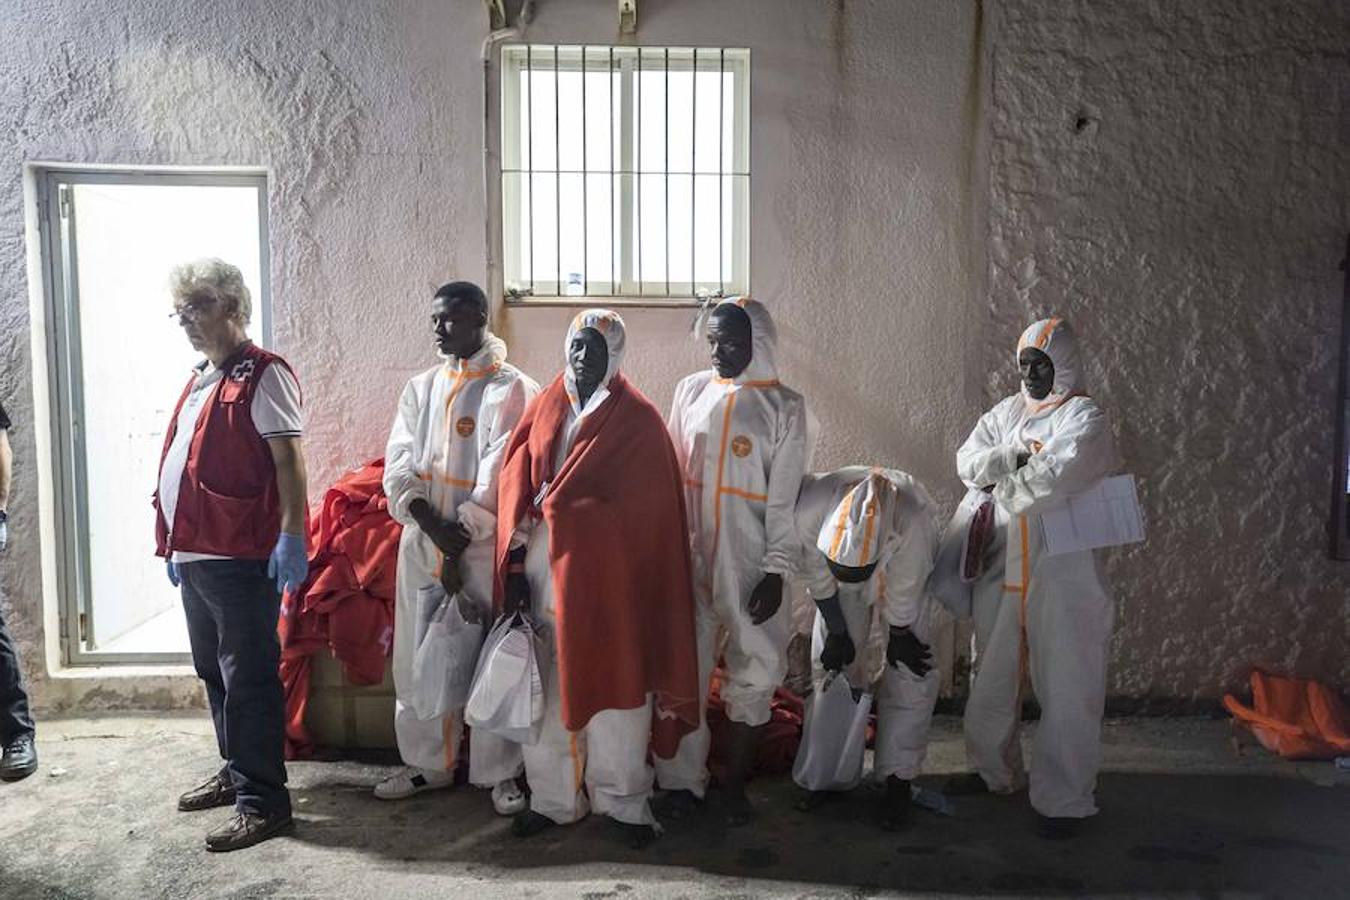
{"x":231,"y":527}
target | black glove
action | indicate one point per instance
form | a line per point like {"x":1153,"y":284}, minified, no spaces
{"x":451,"y":538}
{"x":516,"y":597}
{"x":765,"y":599}
{"x":450,"y":577}
{"x":839,"y":652}
{"x":906,"y":649}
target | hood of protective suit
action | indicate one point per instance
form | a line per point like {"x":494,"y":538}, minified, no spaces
{"x":763,"y":338}
{"x":609,"y":324}
{"x":852,"y":533}
{"x":492,"y":353}
{"x":1055,"y":339}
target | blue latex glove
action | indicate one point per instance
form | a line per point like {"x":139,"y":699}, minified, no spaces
{"x":172,"y":568}
{"x":288,"y":564}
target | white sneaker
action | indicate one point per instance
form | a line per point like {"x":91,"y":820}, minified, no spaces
{"x":413,"y":780}
{"x":508,"y":799}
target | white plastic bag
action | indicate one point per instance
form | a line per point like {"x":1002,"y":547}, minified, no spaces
{"x":429,"y":600}
{"x":834,"y":737}
{"x":507,"y":697}
{"x":947,"y":583}
{"x":446,"y":659}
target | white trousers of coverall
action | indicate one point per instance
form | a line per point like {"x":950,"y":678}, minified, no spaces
{"x":604,"y":765}
{"x":756,"y":662}
{"x":903,"y":702}
{"x":434,"y":743}
{"x":1069,"y":620}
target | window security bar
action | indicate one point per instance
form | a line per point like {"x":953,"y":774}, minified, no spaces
{"x":625,"y":171}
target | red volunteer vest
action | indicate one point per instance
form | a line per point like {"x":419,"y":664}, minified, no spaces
{"x":228,"y":504}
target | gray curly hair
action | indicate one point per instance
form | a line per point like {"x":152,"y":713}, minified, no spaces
{"x":213,"y":278}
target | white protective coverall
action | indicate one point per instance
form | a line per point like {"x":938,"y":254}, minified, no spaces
{"x":445,"y":447}
{"x":609,"y":755}
{"x":743,"y":445}
{"x":856,"y":517}
{"x":1053,"y":618}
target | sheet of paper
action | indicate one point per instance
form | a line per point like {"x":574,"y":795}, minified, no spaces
{"x":1108,"y":515}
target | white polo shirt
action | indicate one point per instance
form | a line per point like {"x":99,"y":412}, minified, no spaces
{"x":275,"y":411}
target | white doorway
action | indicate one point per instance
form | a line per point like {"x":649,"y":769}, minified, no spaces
{"x":118,"y":363}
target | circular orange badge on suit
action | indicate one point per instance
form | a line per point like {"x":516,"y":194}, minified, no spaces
{"x":464,"y":427}
{"x":740,"y":446}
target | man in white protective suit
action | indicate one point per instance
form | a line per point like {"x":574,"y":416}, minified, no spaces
{"x":869,"y":537}
{"x":1053,"y":618}
{"x":441,"y":466}
{"x":741,"y":437}
{"x":590,"y":545}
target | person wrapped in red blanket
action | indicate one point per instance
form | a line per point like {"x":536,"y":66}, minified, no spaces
{"x":591,"y":541}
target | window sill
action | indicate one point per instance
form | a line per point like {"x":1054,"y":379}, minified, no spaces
{"x":607,"y":301}
{"x":102,"y":670}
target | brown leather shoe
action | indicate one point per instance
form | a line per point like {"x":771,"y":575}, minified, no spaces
{"x":214,"y":791}
{"x":247,"y":829}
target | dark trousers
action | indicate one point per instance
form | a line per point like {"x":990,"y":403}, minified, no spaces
{"x":15,"y":718}
{"x":232,"y":608}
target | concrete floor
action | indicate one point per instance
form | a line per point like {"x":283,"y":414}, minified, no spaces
{"x":1183,"y":815}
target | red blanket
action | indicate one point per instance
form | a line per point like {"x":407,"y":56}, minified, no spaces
{"x":779,"y":739}
{"x":1295,"y":717}
{"x":619,"y":554}
{"x":347,"y":602}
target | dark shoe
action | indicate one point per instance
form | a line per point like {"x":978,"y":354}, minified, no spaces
{"x":965,"y":784}
{"x":529,"y":823}
{"x":812,"y":800}
{"x":20,"y":759}
{"x":895,"y":805}
{"x":247,"y":829}
{"x":637,"y":837}
{"x":1058,"y":828}
{"x":676,"y":805}
{"x":214,"y":791}
{"x":737,"y":805}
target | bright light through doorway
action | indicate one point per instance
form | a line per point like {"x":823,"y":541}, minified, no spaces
{"x":134,"y":362}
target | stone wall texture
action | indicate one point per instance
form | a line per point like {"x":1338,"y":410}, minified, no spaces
{"x":1175,"y":178}
{"x":927,"y":178}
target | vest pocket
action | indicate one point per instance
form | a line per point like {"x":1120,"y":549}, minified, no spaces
{"x":232,"y":522}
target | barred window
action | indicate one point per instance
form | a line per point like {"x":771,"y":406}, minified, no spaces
{"x":625,"y":171}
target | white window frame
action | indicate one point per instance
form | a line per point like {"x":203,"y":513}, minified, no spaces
{"x":733,"y":174}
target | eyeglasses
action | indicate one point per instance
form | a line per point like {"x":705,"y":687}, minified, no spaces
{"x":193,"y":309}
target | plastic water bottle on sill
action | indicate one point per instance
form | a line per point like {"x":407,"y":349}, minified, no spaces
{"x":574,"y":286}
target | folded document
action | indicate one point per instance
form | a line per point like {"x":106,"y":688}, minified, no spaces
{"x":1107,"y":515}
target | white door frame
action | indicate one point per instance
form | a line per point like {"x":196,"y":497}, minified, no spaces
{"x":56,"y":223}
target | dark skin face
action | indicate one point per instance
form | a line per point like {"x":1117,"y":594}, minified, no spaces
{"x":459,"y":326}
{"x":850,"y":574}
{"x":588,"y":358}
{"x":1038,"y":372}
{"x":729,"y":340}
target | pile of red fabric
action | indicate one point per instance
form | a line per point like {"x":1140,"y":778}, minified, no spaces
{"x":347,"y":602}
{"x":778,"y":742}
{"x":1297,"y":718}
